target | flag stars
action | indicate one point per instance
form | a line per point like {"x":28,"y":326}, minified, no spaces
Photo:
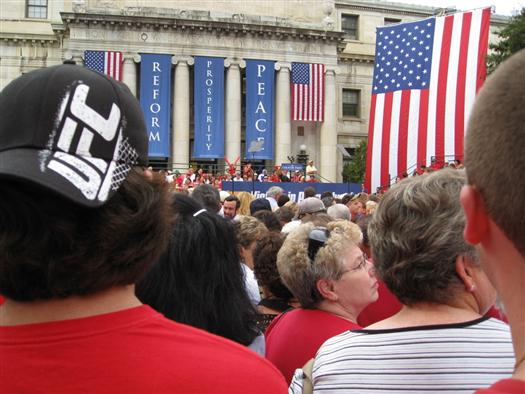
{"x":418,"y":77}
{"x":410,"y":84}
{"x":423,"y":83}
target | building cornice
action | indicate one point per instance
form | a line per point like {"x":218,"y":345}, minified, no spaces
{"x":183,"y":22}
{"x":353,"y":57}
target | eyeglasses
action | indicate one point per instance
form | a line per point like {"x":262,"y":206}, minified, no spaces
{"x":316,"y":240}
{"x":362,"y":263}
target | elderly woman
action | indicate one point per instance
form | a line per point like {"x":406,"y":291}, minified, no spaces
{"x":331,"y":278}
{"x":439,"y":341}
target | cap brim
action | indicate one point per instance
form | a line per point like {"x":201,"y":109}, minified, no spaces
{"x":33,"y":165}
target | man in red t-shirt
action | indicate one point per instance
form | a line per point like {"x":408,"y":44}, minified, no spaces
{"x":492,"y":200}
{"x":81,"y":223}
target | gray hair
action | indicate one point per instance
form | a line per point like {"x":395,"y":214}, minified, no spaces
{"x":339,"y":211}
{"x":300,"y":274}
{"x":274,"y":191}
{"x":416,"y":234}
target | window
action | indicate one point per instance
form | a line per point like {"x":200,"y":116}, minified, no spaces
{"x":351,"y":102}
{"x":349,"y":25}
{"x":36,"y":9}
{"x":391,"y":21}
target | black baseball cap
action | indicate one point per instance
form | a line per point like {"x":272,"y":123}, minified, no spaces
{"x":71,"y":130}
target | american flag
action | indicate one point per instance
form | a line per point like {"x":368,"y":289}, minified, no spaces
{"x":106,"y":62}
{"x":426,"y":76}
{"x":308,"y":92}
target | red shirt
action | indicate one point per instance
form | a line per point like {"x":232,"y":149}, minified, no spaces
{"x":505,"y":386}
{"x":136,"y":350}
{"x":294,"y":337}
{"x":385,"y":306}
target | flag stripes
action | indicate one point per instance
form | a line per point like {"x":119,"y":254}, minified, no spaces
{"x":420,"y":116}
{"x":307,"y":92}
{"x":106,"y":62}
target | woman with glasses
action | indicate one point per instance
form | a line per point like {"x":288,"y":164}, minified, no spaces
{"x":331,"y":278}
{"x":439,"y":342}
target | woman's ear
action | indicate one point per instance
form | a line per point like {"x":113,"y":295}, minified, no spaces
{"x":326,"y":289}
{"x":464,"y":269}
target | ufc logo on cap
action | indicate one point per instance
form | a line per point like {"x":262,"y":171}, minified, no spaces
{"x":90,"y":175}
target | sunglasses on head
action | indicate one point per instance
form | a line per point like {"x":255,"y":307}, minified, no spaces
{"x":316,"y":240}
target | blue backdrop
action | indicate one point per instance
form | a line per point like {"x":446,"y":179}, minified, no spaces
{"x":155,"y":94}
{"x":260,"y":76}
{"x":209,"y":107}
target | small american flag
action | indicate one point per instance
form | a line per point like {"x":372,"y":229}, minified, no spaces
{"x":426,"y":76}
{"x":308,"y":92}
{"x":105,"y":62}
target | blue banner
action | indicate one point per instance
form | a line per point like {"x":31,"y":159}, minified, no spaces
{"x":294,"y":190}
{"x":292,"y":167}
{"x":155,"y":94}
{"x":209,"y":108}
{"x":260,"y":76}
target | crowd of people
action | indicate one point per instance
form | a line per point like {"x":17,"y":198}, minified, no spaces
{"x":114,"y":282}
{"x":191,"y":178}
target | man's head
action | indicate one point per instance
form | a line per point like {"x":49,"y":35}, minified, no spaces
{"x":494,"y":148}
{"x":309,"y":191}
{"x":208,"y":196}
{"x":77,"y":215}
{"x":495,"y":166}
{"x":274,"y":192}
{"x":230,"y":206}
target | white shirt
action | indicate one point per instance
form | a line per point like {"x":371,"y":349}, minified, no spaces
{"x":251,"y":285}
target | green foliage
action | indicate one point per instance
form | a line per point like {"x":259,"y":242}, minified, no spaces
{"x":354,"y":170}
{"x":511,"y":40}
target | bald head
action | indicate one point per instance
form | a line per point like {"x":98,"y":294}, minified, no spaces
{"x":495,"y":147}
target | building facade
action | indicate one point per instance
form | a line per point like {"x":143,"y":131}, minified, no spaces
{"x":339,"y":34}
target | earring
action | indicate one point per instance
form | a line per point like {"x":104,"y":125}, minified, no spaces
{"x":472,"y":287}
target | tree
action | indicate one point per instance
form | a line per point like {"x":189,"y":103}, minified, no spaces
{"x":511,"y":40}
{"x":354,"y":171}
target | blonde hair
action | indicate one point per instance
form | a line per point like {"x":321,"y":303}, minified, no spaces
{"x":300,"y":274}
{"x":245,"y":198}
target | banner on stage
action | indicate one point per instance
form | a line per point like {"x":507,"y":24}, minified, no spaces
{"x":155,"y":94}
{"x":260,"y":76}
{"x":209,"y":108}
{"x":294,"y":190}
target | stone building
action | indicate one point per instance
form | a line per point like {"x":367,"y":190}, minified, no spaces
{"x":339,"y":34}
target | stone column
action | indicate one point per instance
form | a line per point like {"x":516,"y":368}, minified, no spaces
{"x":283,"y":127}
{"x":180,"y":143}
{"x":328,"y":157}
{"x":232,"y":116}
{"x":129,"y":71}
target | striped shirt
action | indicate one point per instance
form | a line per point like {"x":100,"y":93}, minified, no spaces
{"x":451,"y":358}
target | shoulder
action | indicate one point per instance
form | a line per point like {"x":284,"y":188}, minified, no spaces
{"x":218,"y":357}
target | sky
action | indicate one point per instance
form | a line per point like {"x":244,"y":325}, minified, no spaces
{"x":503,"y":7}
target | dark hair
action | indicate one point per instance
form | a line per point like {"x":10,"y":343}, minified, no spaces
{"x":269,"y":219}
{"x":309,"y":191}
{"x":327,"y":194}
{"x":346,"y":198}
{"x":260,"y":204}
{"x":265,"y":265}
{"x":208,"y":196}
{"x":283,"y":199}
{"x":231,"y":197}
{"x":199,"y":280}
{"x":363,"y":223}
{"x":54,"y":248}
{"x":285,"y":214}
